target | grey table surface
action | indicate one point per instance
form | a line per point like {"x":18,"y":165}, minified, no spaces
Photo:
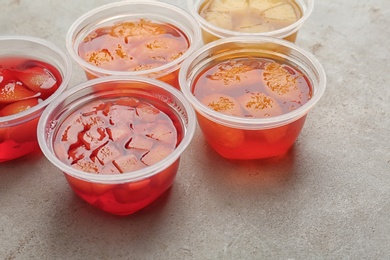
{"x":328,"y":198}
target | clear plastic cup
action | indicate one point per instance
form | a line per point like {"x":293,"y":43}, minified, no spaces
{"x":212,"y":32}
{"x":129,"y":191}
{"x":239,"y":137}
{"x":130,"y":11}
{"x":18,"y":133}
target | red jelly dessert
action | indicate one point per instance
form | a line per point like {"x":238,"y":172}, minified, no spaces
{"x":135,"y":45}
{"x":117,"y":136}
{"x":251,"y":87}
{"x":23,"y":84}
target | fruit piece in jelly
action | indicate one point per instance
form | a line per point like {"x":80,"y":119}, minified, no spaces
{"x":93,"y":120}
{"x":128,"y":101}
{"x":88,"y":188}
{"x":163,"y":133}
{"x":147,"y":112}
{"x":233,"y":74}
{"x":275,"y":134}
{"x":107,"y":153}
{"x":223,"y":103}
{"x":94,"y":137}
{"x":76,"y":152}
{"x":128,"y":163}
{"x":71,"y":133}
{"x":156,"y":154}
{"x":282,"y":82}
{"x":162,"y":49}
{"x":121,"y":115}
{"x":109,"y":169}
{"x":86,"y":165}
{"x":18,"y":106}
{"x":133,"y":191}
{"x":251,"y":16}
{"x":140,"y":142}
{"x":39,"y":80}
{"x":219,"y":12}
{"x":259,"y":105}
{"x":276,"y":10}
{"x":142,"y":128}
{"x":137,"y":30}
{"x":119,"y":134}
{"x":225,"y":136}
{"x":15,"y":91}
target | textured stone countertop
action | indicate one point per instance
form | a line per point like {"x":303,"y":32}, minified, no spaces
{"x":328,"y":198}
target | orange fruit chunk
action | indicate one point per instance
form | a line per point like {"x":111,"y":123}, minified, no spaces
{"x":259,"y":105}
{"x":39,"y":80}
{"x":280,"y":81}
{"x":15,"y":91}
{"x":223,"y":104}
{"x":136,"y":29}
{"x":18,"y":106}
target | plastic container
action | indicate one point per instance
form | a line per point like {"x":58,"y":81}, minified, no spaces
{"x":18,"y":135}
{"x":237,"y":137}
{"x":131,"y":11}
{"x":127,"y":192}
{"x":212,"y":32}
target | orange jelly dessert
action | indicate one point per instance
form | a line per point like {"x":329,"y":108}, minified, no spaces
{"x":136,"y":45}
{"x":24,"y":83}
{"x":250,"y":16}
{"x":251,"y":87}
{"x":117,"y":136}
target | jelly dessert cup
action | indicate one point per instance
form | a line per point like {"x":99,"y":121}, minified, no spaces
{"x":212,"y":31}
{"x":25,"y":57}
{"x":128,"y":13}
{"x":240,"y":137}
{"x":131,"y":189}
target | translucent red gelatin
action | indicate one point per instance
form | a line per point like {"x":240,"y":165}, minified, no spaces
{"x":135,"y":46}
{"x":117,"y":136}
{"x":24,"y":83}
{"x":251,"y":88}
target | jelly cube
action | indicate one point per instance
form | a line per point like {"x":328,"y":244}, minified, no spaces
{"x":117,"y":134}
{"x":94,"y":137}
{"x":107,"y":153}
{"x":147,"y":112}
{"x":128,"y":163}
{"x":259,"y":105}
{"x":156,"y":154}
{"x":140,"y":142}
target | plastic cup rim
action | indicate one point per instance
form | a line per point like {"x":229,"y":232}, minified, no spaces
{"x":252,"y":123}
{"x":33,"y":112}
{"x":124,"y":177}
{"x":168,"y":67}
{"x":220,"y":32}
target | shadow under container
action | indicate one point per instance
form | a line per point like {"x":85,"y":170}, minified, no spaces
{"x":128,"y":192}
{"x":212,"y":32}
{"x":18,"y":132}
{"x":235,"y":137}
{"x":130,"y":11}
